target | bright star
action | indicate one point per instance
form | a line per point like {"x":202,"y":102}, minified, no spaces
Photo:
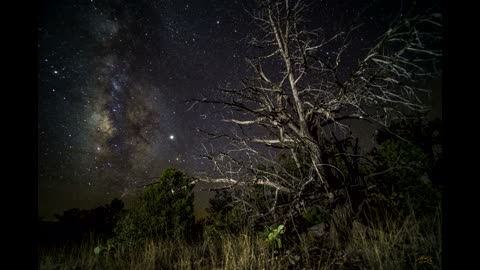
{"x":172,"y":137}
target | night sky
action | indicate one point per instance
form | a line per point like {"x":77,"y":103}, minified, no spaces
{"x":113,"y":78}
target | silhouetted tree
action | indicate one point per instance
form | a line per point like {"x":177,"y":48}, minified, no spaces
{"x":75,"y":224}
{"x":405,"y":168}
{"x":164,"y":211}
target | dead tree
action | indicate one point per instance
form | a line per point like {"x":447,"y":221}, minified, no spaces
{"x":298,"y":94}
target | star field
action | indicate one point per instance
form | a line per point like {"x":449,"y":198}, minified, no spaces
{"x":114,"y":77}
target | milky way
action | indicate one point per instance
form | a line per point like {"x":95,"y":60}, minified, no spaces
{"x":113,"y":80}
{"x":114,"y":77}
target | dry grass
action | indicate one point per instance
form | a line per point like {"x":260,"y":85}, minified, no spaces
{"x":398,"y":245}
{"x":226,"y":251}
{"x":412,"y":243}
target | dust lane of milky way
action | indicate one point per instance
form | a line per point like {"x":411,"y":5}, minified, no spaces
{"x":114,"y":75}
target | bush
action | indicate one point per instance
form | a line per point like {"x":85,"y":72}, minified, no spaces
{"x":164,"y":211}
{"x":223,"y":214}
{"x":316,"y":215}
{"x":404,"y":165}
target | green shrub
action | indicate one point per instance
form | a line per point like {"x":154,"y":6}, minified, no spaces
{"x":404,"y":161}
{"x":273,"y":234}
{"x":164,"y":211}
{"x":315,"y":215}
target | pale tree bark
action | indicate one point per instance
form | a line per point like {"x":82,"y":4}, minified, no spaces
{"x":296,"y":94}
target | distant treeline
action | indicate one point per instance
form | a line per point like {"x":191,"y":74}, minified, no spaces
{"x":75,"y":224}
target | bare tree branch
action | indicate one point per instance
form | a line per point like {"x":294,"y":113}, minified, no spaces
{"x":294,"y":105}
